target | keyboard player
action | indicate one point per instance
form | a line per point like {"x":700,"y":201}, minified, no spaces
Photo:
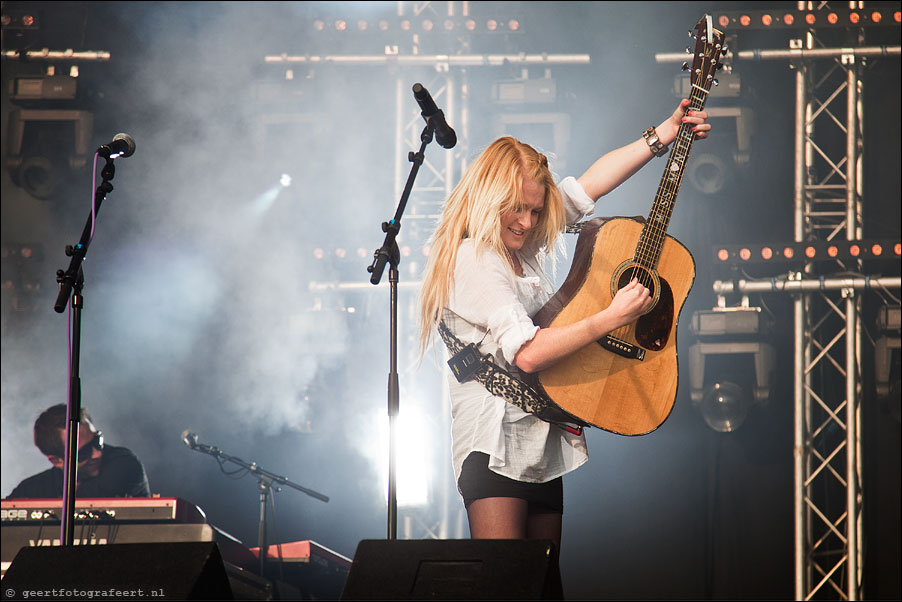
{"x":103,"y":470}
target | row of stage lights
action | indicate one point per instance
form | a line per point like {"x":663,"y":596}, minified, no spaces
{"x":805,"y":19}
{"x":814,"y":251}
{"x":448,"y":25}
{"x":761,"y":253}
{"x":18,"y":20}
{"x":342,"y":254}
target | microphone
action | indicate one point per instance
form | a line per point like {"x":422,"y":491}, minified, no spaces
{"x":189,"y":438}
{"x":444,"y":135}
{"x":121,"y":146}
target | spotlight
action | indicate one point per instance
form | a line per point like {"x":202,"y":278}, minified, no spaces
{"x":708,"y":173}
{"x":47,"y":148}
{"x":725,"y":406}
{"x":38,"y":176}
{"x":726,"y":335}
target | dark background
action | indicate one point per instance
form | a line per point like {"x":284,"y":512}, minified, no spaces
{"x":199,"y":312}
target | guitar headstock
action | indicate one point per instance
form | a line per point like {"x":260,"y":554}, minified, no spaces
{"x":709,"y":46}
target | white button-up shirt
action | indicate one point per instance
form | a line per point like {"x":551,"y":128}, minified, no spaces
{"x":493,"y":308}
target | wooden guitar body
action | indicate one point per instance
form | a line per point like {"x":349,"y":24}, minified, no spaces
{"x":606,"y":389}
{"x":627,"y":382}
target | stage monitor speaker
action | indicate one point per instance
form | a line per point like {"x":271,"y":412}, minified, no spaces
{"x":134,"y":571}
{"x":463,"y":569}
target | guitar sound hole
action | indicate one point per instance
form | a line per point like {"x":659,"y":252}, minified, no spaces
{"x":644,"y":276}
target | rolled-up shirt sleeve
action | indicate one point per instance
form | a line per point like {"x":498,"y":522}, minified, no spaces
{"x":577,"y":203}
{"x":485,"y":295}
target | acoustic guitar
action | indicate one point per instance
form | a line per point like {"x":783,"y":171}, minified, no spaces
{"x":627,"y":382}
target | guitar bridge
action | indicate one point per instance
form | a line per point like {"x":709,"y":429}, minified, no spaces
{"x":621,"y":347}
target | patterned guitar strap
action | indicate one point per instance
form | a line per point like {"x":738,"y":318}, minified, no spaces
{"x":501,"y":383}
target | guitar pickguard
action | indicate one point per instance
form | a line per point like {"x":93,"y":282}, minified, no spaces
{"x":653,"y":329}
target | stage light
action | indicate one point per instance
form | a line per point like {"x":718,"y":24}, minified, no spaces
{"x":832,"y":18}
{"x":413,"y":458}
{"x":428,"y":25}
{"x":405,"y":25}
{"x":745,"y":20}
{"x":810,"y":252}
{"x":725,"y":335}
{"x":788,"y":19}
{"x":767,"y":253}
{"x":470,"y":24}
{"x":319,"y":25}
{"x":854,"y":250}
{"x":810,"y":18}
{"x":28,"y":20}
{"x":788,"y":253}
{"x":40,"y":159}
{"x":832,"y":251}
{"x":383,"y":25}
{"x":723,"y":21}
{"x":876,"y":250}
{"x":449,"y":25}
{"x":318,"y":253}
{"x":708,"y":173}
{"x":513,"y":25}
{"x":876,"y":17}
{"x":491,"y":25}
{"x":767,"y":20}
{"x":725,"y":406}
{"x":341,"y":25}
{"x":854,"y":18}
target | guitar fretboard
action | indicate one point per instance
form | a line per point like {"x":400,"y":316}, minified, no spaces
{"x":651,"y":241}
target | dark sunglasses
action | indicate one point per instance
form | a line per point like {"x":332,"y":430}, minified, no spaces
{"x":87,"y":450}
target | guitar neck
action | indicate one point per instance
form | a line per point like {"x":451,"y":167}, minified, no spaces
{"x":654,"y":232}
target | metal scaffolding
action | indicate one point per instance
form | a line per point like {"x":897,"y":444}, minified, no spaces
{"x":827,"y":384}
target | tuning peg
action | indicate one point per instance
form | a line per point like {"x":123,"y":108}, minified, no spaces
{"x":719,"y":66}
{"x":689,"y":31}
{"x":715,"y":82}
{"x":688,"y":50}
{"x":725,"y":49}
{"x":685,"y":66}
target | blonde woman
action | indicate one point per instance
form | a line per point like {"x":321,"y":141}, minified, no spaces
{"x":485,"y":280}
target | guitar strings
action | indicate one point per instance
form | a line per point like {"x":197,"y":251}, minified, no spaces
{"x":653,"y":235}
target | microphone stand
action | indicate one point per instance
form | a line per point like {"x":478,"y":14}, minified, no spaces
{"x":265,"y":482}
{"x":389,"y":253}
{"x":71,"y":283}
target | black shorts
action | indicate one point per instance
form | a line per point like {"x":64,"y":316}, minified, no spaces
{"x":477,"y":481}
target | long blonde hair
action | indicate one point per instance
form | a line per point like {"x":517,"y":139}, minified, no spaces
{"x":491,"y":187}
